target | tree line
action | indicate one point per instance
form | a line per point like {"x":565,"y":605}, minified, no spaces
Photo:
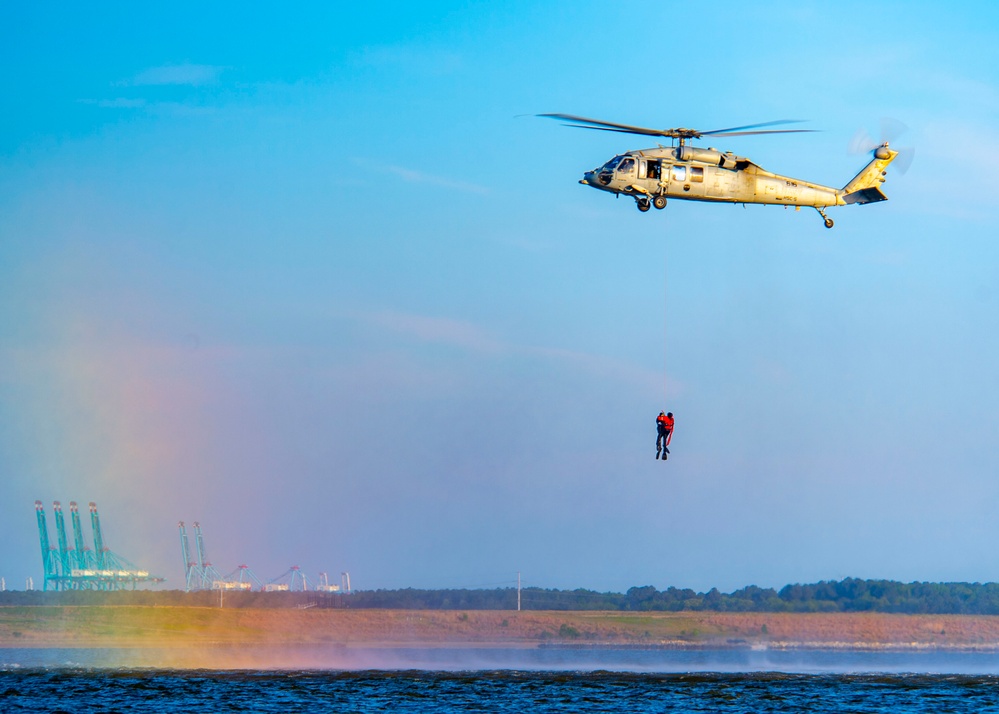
{"x":849,"y":595}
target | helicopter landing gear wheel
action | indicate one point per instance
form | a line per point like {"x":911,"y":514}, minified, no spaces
{"x":826,"y":219}
{"x":659,"y":202}
{"x":643,"y":204}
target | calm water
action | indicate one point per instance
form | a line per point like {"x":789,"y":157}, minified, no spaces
{"x":517,"y":681}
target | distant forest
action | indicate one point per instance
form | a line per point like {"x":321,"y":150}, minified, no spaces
{"x":850,"y":595}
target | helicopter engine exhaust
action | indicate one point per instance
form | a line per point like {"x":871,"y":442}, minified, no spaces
{"x":707,"y":156}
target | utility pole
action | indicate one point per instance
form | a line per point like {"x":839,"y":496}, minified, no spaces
{"x":518,"y":591}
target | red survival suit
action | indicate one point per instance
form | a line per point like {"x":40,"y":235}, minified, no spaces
{"x":664,"y":429}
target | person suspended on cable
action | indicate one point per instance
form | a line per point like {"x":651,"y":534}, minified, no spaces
{"x":664,"y":430}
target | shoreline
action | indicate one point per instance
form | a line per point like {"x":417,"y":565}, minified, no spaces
{"x":131,"y":627}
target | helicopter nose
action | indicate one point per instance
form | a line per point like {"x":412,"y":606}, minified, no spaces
{"x":587,"y":178}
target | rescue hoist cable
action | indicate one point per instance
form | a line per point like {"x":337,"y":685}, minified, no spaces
{"x":665,"y":312}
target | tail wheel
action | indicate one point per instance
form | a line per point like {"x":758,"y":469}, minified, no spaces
{"x":659,"y":202}
{"x":643,"y":204}
{"x":829,"y":223}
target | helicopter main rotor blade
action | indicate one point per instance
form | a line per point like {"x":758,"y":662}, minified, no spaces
{"x":579,"y":122}
{"x":602,"y":128}
{"x":751,"y":133}
{"x":605,"y":125}
{"x":730,"y":132}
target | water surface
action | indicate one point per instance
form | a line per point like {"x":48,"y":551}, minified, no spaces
{"x":505,"y":680}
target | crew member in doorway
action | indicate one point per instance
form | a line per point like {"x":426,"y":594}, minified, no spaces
{"x":664,"y":429}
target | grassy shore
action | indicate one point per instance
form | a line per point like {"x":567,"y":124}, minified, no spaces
{"x":166,"y":627}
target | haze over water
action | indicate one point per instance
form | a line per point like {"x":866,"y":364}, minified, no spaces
{"x":557,"y":658}
{"x":505,"y":681}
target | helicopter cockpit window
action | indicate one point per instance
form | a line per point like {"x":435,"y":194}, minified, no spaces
{"x":612,"y":164}
{"x":679,"y":173}
{"x":627,"y":166}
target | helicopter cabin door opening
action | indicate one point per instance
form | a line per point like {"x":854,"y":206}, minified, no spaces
{"x":649,"y":169}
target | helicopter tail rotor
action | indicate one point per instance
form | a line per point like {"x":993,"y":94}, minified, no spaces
{"x":905,"y":156}
{"x":863,"y":143}
{"x":891,"y":129}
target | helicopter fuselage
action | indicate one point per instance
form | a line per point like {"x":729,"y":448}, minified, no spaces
{"x":696,"y":174}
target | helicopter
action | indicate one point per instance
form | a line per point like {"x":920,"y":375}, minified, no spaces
{"x":692,"y":173}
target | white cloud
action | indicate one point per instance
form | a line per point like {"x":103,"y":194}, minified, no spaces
{"x":164,"y":108}
{"x":117,"y":103}
{"x":413,"y":176}
{"x":411,"y":59}
{"x":977,"y":173}
{"x":183,"y":74}
{"x":122,"y":103}
{"x":438,"y":329}
{"x":468,"y":336}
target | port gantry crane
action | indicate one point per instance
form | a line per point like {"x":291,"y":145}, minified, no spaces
{"x":80,"y":568}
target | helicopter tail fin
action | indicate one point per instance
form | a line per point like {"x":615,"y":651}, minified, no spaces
{"x":866,"y":186}
{"x":872,"y":194}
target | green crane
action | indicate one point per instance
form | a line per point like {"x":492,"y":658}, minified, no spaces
{"x":100,"y":552}
{"x":48,"y":557}
{"x":80,"y":553}
{"x":65,"y":570}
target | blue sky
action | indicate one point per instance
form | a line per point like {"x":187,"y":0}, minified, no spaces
{"x":318,"y":280}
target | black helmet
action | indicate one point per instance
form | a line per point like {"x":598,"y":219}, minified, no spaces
{"x":670,"y":414}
